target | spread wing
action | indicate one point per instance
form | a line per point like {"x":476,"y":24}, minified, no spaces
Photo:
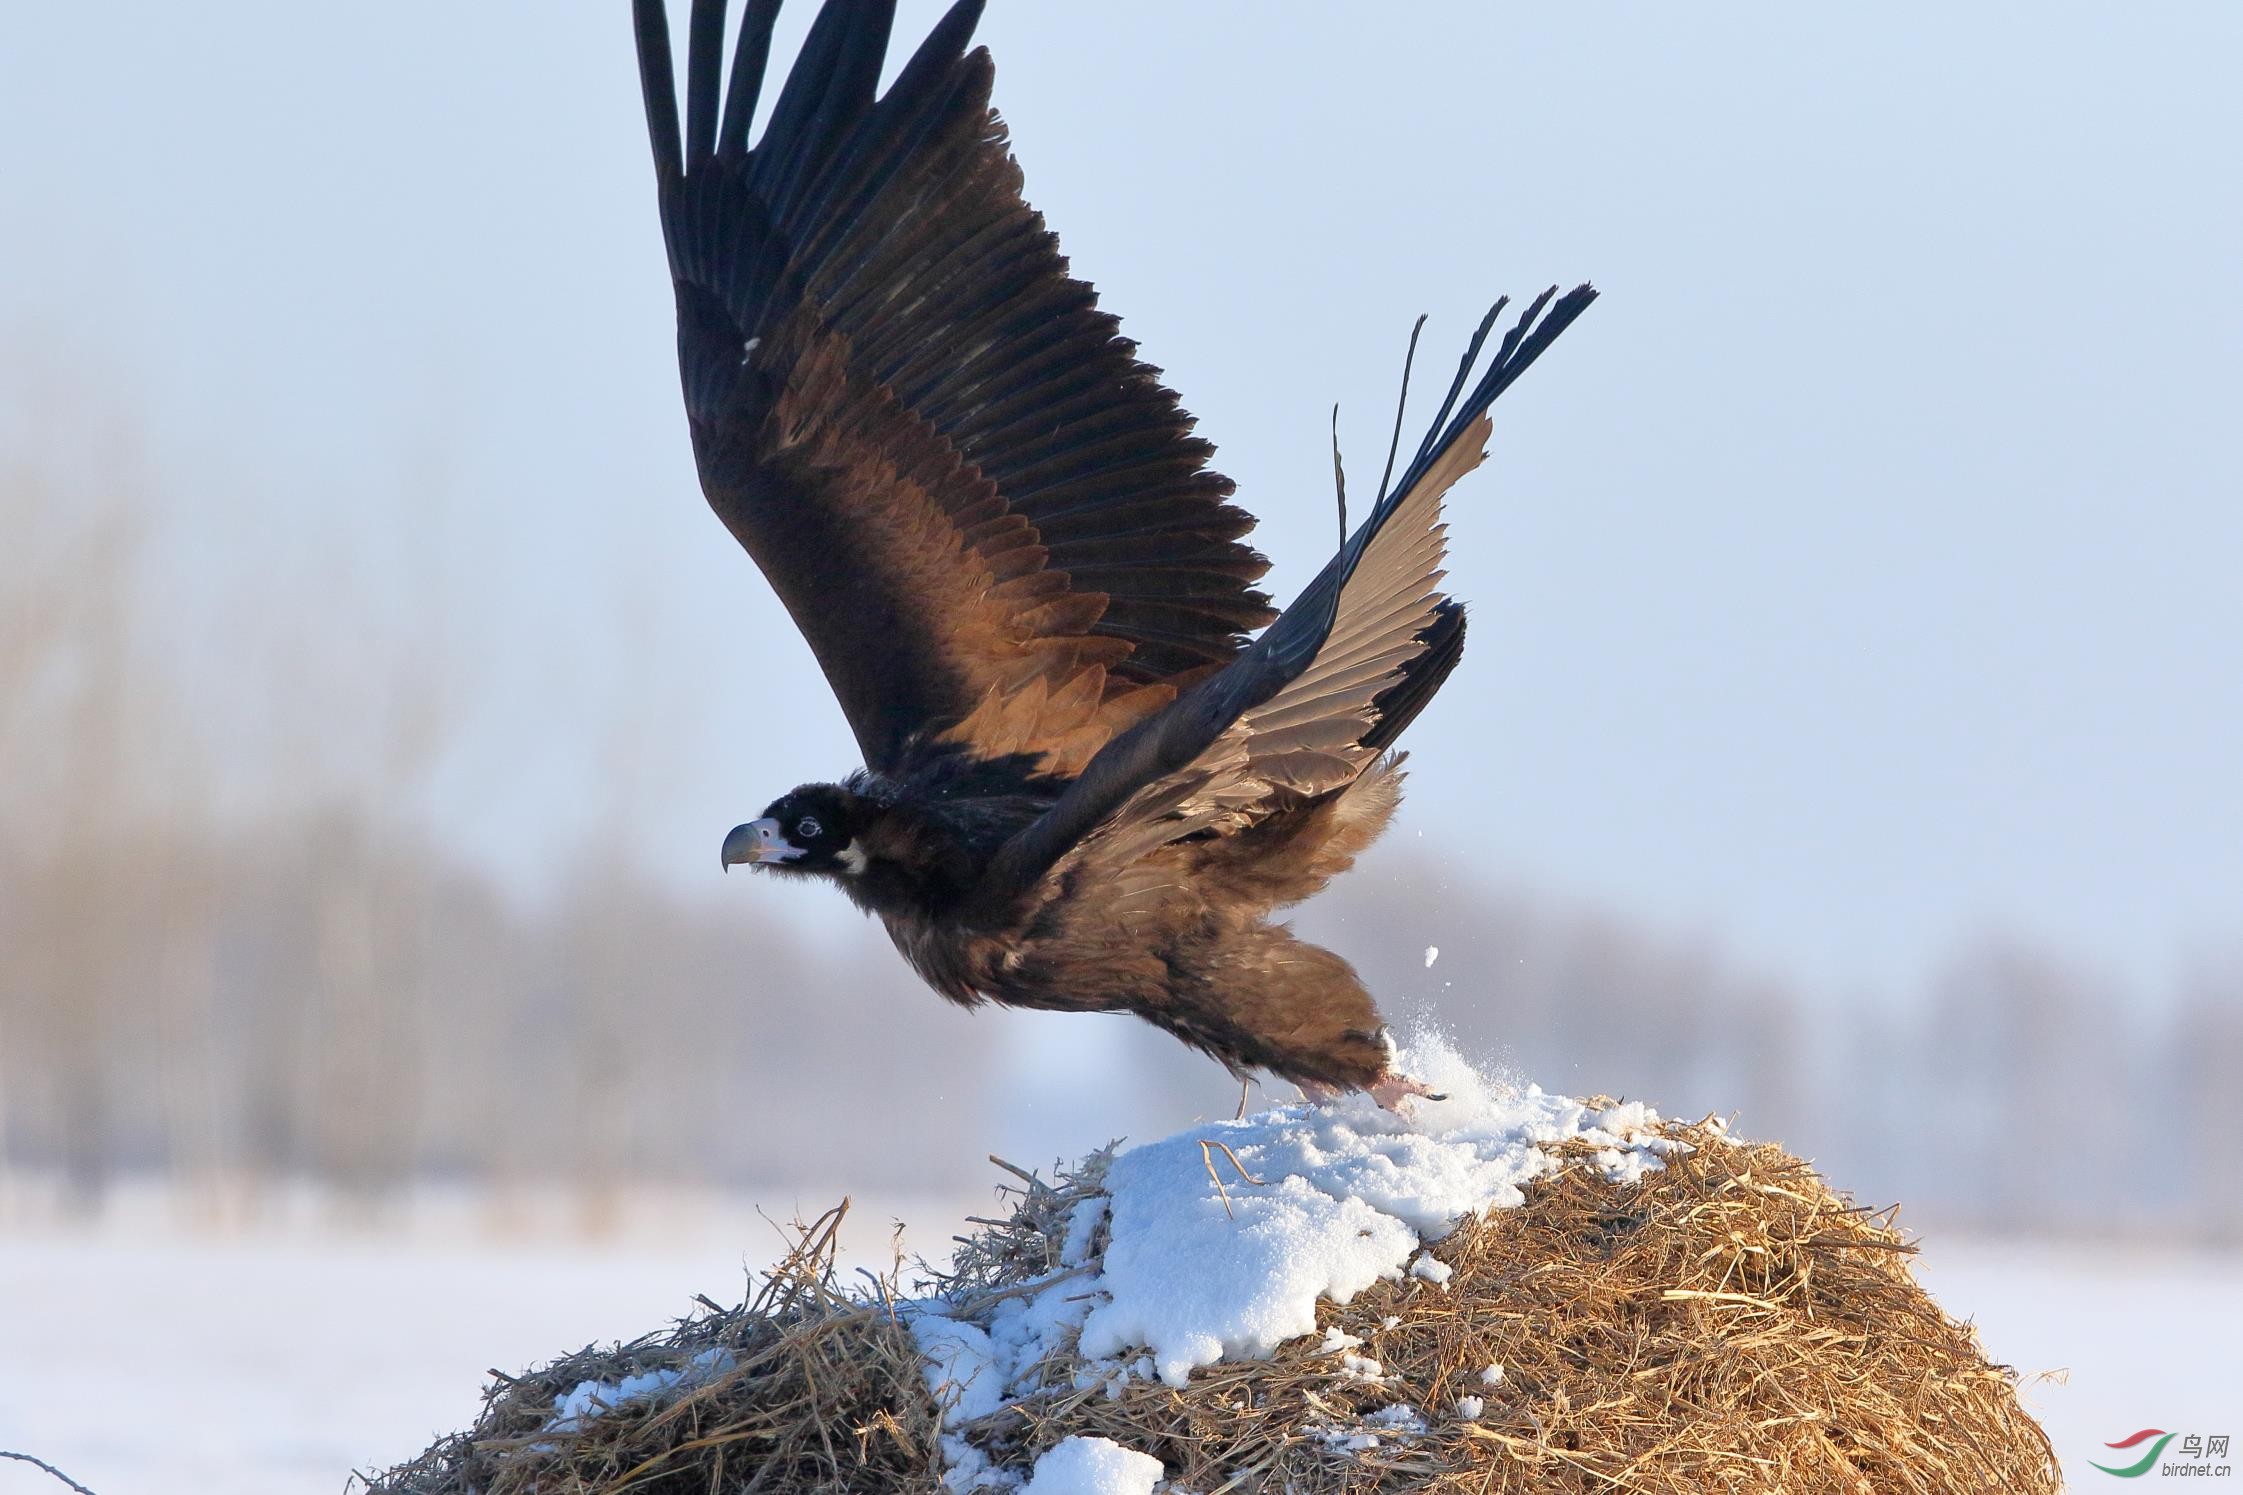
{"x":990,"y":521}
{"x":1324,"y":690}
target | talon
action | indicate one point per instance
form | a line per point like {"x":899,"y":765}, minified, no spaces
{"x":1394,"y":1089}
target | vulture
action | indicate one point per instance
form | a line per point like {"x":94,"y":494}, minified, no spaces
{"x":1096,"y":758}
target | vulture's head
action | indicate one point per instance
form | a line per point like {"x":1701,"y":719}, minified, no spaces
{"x":812,"y":829}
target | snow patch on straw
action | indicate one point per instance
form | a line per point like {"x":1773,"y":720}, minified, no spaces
{"x":1197,"y":1271}
{"x":1094,"y":1466}
{"x":592,"y":1398}
{"x":1222,"y":1239}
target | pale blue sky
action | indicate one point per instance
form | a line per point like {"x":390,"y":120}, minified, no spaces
{"x":1867,"y":567}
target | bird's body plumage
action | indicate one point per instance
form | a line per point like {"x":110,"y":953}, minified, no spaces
{"x":1087,"y":781}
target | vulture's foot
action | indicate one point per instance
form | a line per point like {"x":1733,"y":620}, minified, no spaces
{"x":1394,"y":1089}
{"x":1389,"y":1091}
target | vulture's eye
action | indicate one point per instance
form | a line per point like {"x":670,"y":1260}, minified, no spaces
{"x":807,"y":828}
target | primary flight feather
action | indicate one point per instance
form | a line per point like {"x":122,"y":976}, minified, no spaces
{"x":1095,"y":758}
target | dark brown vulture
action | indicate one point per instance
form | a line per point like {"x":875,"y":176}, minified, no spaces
{"x":1096,"y":758}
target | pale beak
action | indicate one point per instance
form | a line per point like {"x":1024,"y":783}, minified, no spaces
{"x":757,"y":841}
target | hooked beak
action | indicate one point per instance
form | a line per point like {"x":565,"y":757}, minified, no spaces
{"x":757,"y":841}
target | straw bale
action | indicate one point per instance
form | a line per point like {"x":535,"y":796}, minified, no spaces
{"x":1727,"y":1324}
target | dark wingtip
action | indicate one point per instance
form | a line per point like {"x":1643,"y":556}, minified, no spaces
{"x":940,"y":50}
{"x":1339,"y":475}
{"x":1548,"y":315}
{"x":956,"y":28}
{"x":704,"y":62}
{"x":650,"y":25}
{"x":1401,"y":404}
{"x":751,"y":55}
{"x":832,"y":82}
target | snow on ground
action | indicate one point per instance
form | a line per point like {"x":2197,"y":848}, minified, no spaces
{"x":144,"y":1356}
{"x":2144,"y":1337}
{"x":273,"y":1366}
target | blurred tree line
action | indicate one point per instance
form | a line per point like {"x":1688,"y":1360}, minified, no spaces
{"x":309,"y":986}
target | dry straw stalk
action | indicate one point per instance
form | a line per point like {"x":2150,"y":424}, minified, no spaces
{"x":1728,"y":1324}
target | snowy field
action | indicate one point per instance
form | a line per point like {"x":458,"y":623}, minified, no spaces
{"x":2146,"y":1339}
{"x":146,"y":1357}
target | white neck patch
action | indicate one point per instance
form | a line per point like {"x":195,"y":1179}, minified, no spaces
{"x":852,"y":859}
